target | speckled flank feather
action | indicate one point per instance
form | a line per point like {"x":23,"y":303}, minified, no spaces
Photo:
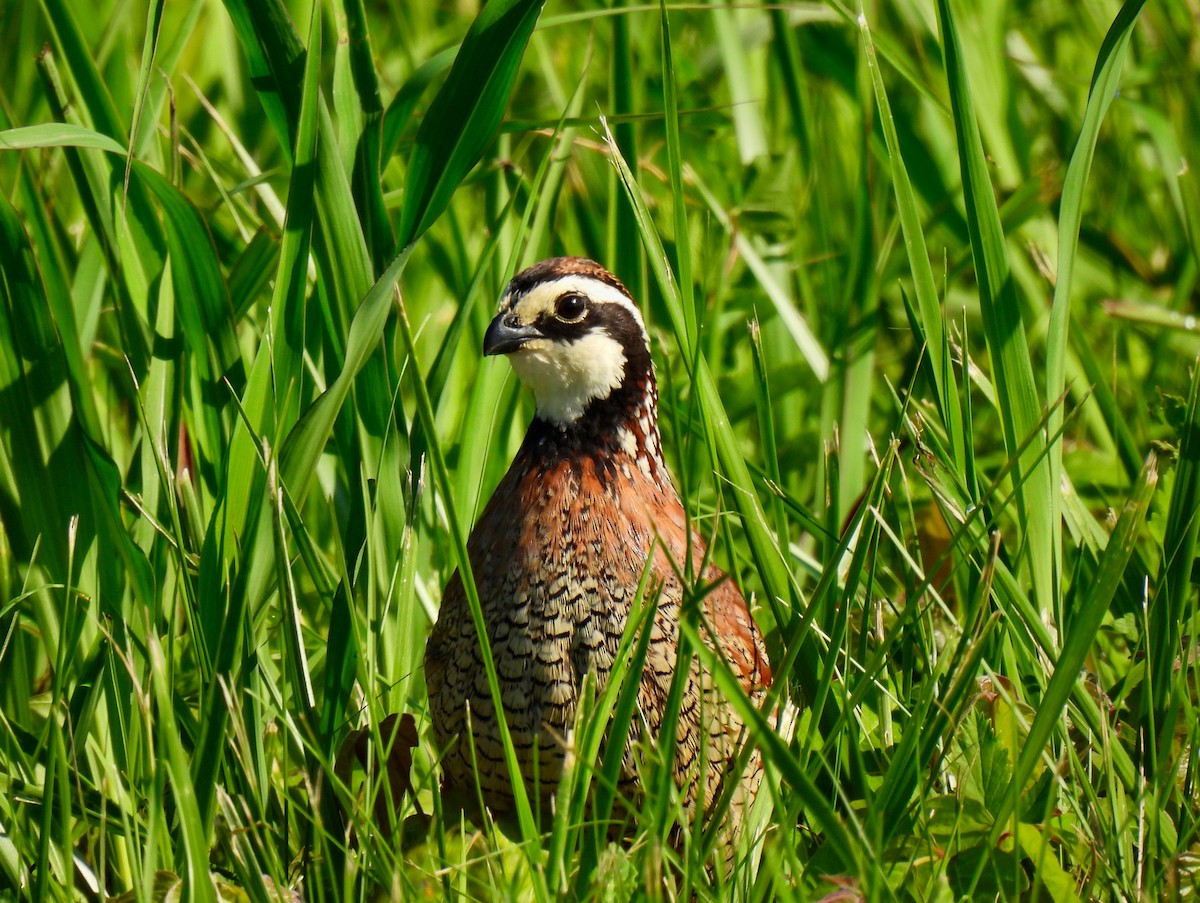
{"x":558,"y":555}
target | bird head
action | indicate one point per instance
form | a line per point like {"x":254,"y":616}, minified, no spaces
{"x":574,"y":336}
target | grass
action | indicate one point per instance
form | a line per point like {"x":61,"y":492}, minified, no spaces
{"x":921,"y":279}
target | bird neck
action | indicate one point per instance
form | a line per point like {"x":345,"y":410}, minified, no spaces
{"x":624,"y":422}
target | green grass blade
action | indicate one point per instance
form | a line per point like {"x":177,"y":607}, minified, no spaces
{"x":464,"y":116}
{"x":1164,"y":699}
{"x":1017,"y":394}
{"x":683,"y":249}
{"x":1077,"y":643}
{"x":400,"y":109}
{"x":362,"y":106}
{"x":154,"y":15}
{"x":454,"y":134}
{"x":745,"y":106}
{"x":291,"y":279}
{"x":625,"y":251}
{"x":929,"y":307}
{"x":57,"y":134}
{"x":197,"y":883}
{"x":1105,"y":83}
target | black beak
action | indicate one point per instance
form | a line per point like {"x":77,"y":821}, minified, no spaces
{"x":504,"y":336}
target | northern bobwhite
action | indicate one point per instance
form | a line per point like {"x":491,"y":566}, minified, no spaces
{"x":559,"y":552}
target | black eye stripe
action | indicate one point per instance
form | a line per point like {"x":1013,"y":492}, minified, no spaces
{"x":615,"y":319}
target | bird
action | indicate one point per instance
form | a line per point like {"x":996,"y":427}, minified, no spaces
{"x":558,"y":554}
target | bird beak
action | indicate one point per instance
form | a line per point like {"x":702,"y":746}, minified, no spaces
{"x":504,"y":337}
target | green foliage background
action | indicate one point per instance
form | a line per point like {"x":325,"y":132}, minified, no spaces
{"x":922,"y":283}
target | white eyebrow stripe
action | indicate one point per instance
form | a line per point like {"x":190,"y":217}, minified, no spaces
{"x":541,"y":298}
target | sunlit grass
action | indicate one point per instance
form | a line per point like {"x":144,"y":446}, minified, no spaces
{"x":919,"y":279}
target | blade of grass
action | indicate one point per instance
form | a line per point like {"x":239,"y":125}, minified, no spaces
{"x":197,"y":883}
{"x":928,"y":307}
{"x":449,"y":143}
{"x":154,"y":14}
{"x":625,"y":251}
{"x":1017,"y":395}
{"x":745,"y":107}
{"x":361,"y":87}
{"x":465,"y":114}
{"x":1078,"y":642}
{"x":1105,"y":83}
{"x":1167,"y":689}
{"x":683,"y":248}
{"x":57,"y":134}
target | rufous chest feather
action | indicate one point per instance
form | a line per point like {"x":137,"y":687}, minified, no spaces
{"x":555,"y":520}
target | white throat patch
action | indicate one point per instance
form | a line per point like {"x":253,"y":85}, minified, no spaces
{"x":566,"y":376}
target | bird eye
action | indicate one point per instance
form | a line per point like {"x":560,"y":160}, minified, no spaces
{"x":570,"y":306}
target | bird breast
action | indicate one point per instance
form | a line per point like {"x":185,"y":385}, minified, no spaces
{"x":573,"y":538}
